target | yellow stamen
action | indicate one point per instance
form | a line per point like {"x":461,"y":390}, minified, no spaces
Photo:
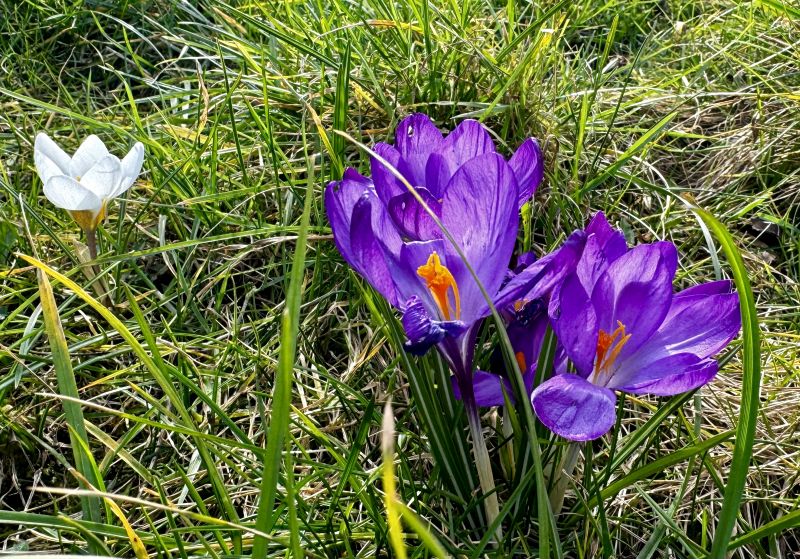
{"x":609,"y":347}
{"x":439,"y":280}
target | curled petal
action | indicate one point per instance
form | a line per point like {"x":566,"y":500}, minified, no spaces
{"x":573,"y":408}
{"x":604,"y":245}
{"x":528,"y":166}
{"x":422,"y":331}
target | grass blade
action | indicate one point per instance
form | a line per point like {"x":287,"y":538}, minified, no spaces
{"x":282,"y":391}
{"x":751,"y":390}
{"x":72,"y":410}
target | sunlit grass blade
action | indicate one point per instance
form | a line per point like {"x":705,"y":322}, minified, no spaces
{"x":282,"y":390}
{"x":68,"y":387}
{"x":396,"y":537}
{"x":751,"y":390}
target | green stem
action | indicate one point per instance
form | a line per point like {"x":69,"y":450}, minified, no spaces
{"x":484,"y":468}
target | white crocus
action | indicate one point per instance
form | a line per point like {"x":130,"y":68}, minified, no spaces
{"x":84,"y":183}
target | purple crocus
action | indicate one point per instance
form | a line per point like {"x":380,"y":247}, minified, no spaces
{"x":385,"y":233}
{"x":623,"y":329}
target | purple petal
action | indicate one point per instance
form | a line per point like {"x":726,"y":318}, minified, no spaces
{"x":470,"y":139}
{"x":636,"y":290}
{"x":368,"y":253}
{"x":480,"y":212}
{"x":697,"y":323}
{"x":412,"y":219}
{"x":340,"y":199}
{"x":404,"y":271}
{"x":604,"y":245}
{"x":665,"y":377}
{"x":543,"y":275}
{"x":708,"y":288}
{"x":415,"y":139}
{"x":528,"y":166}
{"x":387,"y":185}
{"x":575,"y":323}
{"x":488,"y":389}
{"x":423,"y":332}
{"x":574,"y":408}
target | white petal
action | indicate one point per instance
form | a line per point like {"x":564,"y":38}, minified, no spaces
{"x":103,"y":178}
{"x":69,"y":194}
{"x":50,"y":159}
{"x":91,"y":151}
{"x":131,"y":167}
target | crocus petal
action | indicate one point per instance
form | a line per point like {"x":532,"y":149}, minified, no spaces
{"x":368,"y":254}
{"x":412,"y":219}
{"x":697,"y":323}
{"x":480,"y":212}
{"x":89,"y":153}
{"x":130,"y":167}
{"x":67,"y":193}
{"x":422,"y":331}
{"x":528,"y":166}
{"x":469,"y":139}
{"x":604,"y":245}
{"x":574,"y":408}
{"x":416,"y":138}
{"x":387,"y":185}
{"x":575,"y":323}
{"x":539,"y":278}
{"x":636,"y":290}
{"x":103,"y":178}
{"x":665,"y":377}
{"x":488,"y":389}
{"x":50,"y":160}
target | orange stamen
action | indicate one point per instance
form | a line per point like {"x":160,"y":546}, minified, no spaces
{"x":609,"y":347}
{"x":439,"y":280}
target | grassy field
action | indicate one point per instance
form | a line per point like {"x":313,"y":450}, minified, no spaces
{"x":639,"y":106}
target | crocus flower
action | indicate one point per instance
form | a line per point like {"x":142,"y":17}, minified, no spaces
{"x":84,"y":183}
{"x":389,"y":238}
{"x":623,"y":329}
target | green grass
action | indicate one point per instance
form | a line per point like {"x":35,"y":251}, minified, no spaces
{"x":639,"y":105}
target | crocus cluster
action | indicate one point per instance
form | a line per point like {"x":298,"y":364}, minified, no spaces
{"x":434,"y":230}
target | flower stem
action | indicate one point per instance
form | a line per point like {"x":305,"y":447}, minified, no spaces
{"x":568,"y":463}
{"x":484,"y":467}
{"x":91,"y":243}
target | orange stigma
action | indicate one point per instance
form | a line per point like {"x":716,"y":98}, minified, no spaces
{"x":608,"y":348}
{"x":523,"y":367}
{"x":439,"y":281}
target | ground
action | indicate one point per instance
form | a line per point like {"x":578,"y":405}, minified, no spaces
{"x":640,"y":106}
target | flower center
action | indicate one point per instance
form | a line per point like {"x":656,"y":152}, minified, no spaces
{"x":608,"y":348}
{"x":439,"y":281}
